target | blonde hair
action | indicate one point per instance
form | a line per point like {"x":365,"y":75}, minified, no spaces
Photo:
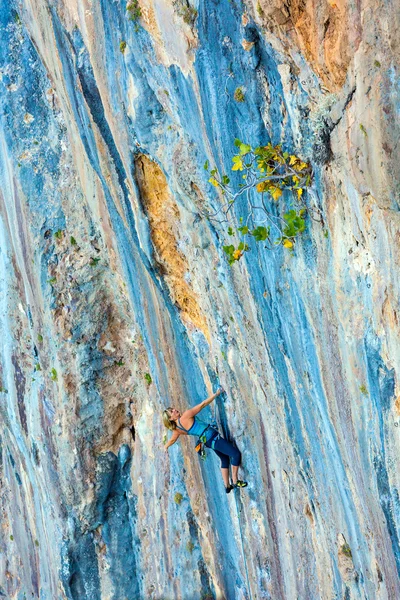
{"x":166,"y":420}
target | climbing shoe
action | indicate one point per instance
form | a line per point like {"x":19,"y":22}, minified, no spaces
{"x":240,"y":484}
{"x":229,"y":488}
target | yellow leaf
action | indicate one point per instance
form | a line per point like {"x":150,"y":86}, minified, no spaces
{"x":288,"y":244}
{"x":213,"y":181}
{"x":292,"y":159}
{"x":237,"y":254}
{"x":275,"y":192}
{"x":301,"y":166}
{"x":299,"y":192}
{"x":237,"y":164}
{"x":260,"y":187}
{"x":295,"y":179}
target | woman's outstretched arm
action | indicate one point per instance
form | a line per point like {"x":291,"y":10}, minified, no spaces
{"x":173,"y":439}
{"x":192,"y":412}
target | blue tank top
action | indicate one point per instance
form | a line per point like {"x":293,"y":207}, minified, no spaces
{"x":198,"y":428}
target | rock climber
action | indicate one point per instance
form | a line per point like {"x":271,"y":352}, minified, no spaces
{"x":187,"y":423}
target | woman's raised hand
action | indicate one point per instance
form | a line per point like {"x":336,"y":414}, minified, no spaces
{"x":220,"y":390}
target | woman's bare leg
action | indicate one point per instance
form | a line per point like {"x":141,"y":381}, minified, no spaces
{"x":225,"y":476}
{"x":234,"y":473}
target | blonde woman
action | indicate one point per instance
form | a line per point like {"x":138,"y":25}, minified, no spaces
{"x":187,"y":423}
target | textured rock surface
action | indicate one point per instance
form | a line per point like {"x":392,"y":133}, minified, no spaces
{"x":109,"y":273}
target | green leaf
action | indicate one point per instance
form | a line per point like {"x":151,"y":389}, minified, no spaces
{"x":290,"y":215}
{"x":93,"y":262}
{"x":229,"y":250}
{"x":237,"y":143}
{"x":230,"y":231}
{"x":244,"y":149}
{"x":225,"y":179}
{"x":206,"y":165}
{"x":244,"y":229}
{"x":260,"y":233}
{"x":73,"y":240}
{"x":300,"y":224}
{"x":295,"y":223}
{"x":213,"y":172}
{"x":290,"y":230}
{"x":148,"y":378}
{"x":53,"y":374}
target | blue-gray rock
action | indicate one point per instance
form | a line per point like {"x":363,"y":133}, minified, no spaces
{"x":117,"y":301}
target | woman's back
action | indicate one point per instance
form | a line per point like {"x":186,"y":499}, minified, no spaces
{"x":192,"y":426}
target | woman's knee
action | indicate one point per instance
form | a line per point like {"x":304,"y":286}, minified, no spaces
{"x":236,"y":458}
{"x":224,"y":461}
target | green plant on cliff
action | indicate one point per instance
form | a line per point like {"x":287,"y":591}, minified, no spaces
{"x":270,"y":172}
{"x":259,"y":10}
{"x":122,"y":46}
{"x":239,"y":96}
{"x":188,"y":14}
{"x":134,"y":11}
{"x":346,"y":550}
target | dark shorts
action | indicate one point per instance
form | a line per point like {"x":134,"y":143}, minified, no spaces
{"x":225,"y":450}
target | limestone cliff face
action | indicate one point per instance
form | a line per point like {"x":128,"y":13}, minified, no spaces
{"x":117,"y":301}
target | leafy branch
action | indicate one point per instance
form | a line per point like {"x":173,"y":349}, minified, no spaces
{"x":269,"y":171}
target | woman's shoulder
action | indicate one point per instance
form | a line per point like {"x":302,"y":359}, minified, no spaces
{"x":186,"y":421}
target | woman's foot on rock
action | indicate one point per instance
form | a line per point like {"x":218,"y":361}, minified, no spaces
{"x":240,"y":484}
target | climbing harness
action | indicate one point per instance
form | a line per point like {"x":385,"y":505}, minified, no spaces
{"x":201,"y":443}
